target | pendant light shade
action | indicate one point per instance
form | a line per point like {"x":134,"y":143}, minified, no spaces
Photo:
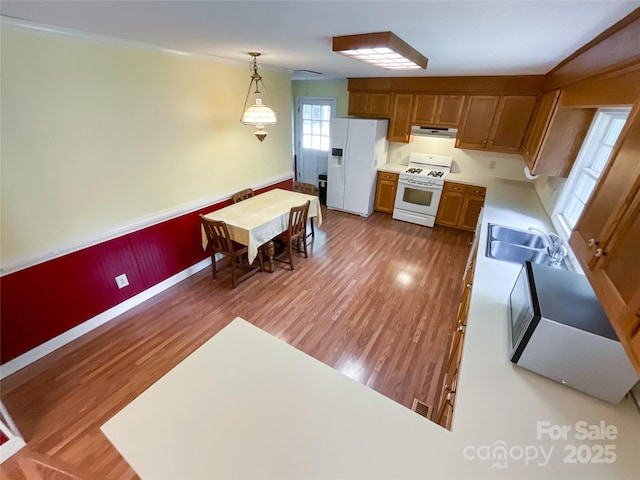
{"x":256,"y":111}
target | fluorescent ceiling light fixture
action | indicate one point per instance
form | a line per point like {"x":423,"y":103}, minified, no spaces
{"x":256,"y":111}
{"x":381,"y":49}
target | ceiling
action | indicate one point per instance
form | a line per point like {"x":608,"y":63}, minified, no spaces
{"x":479,"y":37}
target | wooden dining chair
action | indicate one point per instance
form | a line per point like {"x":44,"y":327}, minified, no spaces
{"x":219,"y":241}
{"x":296,"y":235}
{"x":309,"y":189}
{"x":242,"y":195}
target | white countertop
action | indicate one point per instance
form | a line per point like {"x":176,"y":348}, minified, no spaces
{"x":271,"y":411}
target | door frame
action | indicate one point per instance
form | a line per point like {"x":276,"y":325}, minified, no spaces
{"x":297,"y":131}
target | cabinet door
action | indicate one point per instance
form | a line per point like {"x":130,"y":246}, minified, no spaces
{"x":386,"y":192}
{"x":449,"y":110}
{"x":616,"y":280}
{"x":358,"y":103}
{"x":612,"y":194}
{"x":476,"y":124}
{"x":380,"y":104}
{"x":443,"y":414}
{"x":541,"y":121}
{"x":400,"y":124}
{"x":370,"y":104}
{"x":510,"y":123}
{"x":450,"y":204}
{"x":424,"y":110}
{"x":471,"y":208}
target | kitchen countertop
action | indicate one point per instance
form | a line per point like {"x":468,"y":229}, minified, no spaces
{"x":319,"y":423}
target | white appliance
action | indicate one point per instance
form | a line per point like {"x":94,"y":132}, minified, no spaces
{"x":420,"y":188}
{"x":358,"y":148}
{"x":559,"y":330}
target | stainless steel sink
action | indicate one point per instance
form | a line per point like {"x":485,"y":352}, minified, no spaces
{"x":518,"y":246}
{"x":515,"y":236}
{"x":510,"y":252}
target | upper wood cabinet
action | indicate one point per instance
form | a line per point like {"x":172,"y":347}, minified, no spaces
{"x":437,"y":110}
{"x":370,"y":104}
{"x":400,"y":123}
{"x":476,"y":124}
{"x":545,"y":109}
{"x":607,"y":236}
{"x":496,"y":123}
{"x":555,"y":136}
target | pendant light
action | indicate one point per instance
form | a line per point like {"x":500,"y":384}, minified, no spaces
{"x":256,"y":110}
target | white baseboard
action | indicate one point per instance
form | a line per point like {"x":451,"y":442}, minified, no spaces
{"x":10,"y":447}
{"x":46,"y":348}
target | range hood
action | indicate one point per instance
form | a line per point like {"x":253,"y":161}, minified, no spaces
{"x":426,"y":131}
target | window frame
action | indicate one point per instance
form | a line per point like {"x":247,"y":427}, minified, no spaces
{"x":586,"y":158}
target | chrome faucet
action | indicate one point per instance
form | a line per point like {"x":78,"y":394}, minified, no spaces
{"x":555,"y":246}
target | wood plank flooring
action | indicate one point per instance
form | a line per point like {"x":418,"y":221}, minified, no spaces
{"x":376,"y":299}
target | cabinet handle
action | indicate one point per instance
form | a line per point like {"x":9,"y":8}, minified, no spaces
{"x":600,"y":253}
{"x":468,"y":285}
{"x":455,"y":188}
{"x":592,"y":242}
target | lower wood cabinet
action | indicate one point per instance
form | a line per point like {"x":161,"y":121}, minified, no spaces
{"x":460,"y":205}
{"x":386,"y":192}
{"x":443,"y":411}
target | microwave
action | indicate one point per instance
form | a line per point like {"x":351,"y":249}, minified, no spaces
{"x":558,"y":329}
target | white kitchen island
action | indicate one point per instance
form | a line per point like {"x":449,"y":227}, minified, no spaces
{"x":247,"y":405}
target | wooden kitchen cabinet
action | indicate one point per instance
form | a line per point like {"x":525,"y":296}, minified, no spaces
{"x":386,"y":188}
{"x":437,"y":110}
{"x":606,"y":239}
{"x":556,"y":136}
{"x":476,"y":124}
{"x":370,"y":104}
{"x":496,"y":123}
{"x":400,"y":122}
{"x":541,"y":120}
{"x":460,"y":206}
{"x":443,"y":411}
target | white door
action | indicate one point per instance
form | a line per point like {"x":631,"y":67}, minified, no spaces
{"x":313,"y":130}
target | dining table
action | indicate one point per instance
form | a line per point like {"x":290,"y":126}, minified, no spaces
{"x":256,"y":221}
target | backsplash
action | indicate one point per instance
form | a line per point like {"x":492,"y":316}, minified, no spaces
{"x":468,"y":162}
{"x":549,"y":190}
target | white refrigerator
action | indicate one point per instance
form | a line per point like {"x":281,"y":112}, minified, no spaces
{"x":357,"y":148}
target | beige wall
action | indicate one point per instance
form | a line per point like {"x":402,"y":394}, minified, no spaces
{"x":98,"y":138}
{"x":324,"y":88}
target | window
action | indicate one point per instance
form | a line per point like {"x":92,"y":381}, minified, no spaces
{"x":589,"y":165}
{"x":315,"y":126}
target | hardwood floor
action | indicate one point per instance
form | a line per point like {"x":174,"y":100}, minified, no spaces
{"x":376,"y":299}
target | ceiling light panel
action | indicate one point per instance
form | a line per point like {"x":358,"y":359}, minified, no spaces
{"x":382,"y":49}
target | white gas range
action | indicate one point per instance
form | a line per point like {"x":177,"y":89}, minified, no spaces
{"x":420,"y":188}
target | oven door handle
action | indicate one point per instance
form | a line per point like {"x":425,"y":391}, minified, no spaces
{"x":419,"y":185}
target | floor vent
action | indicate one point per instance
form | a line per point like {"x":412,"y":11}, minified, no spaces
{"x":420,"y":408}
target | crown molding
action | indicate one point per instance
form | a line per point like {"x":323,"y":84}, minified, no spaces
{"x":68,"y":33}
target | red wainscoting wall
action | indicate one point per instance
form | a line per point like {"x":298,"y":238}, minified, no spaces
{"x":43,"y":301}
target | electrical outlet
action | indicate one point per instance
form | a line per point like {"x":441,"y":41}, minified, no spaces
{"x":122,"y":280}
{"x":492,"y":165}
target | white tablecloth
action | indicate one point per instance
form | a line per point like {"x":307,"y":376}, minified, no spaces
{"x":255,"y":221}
